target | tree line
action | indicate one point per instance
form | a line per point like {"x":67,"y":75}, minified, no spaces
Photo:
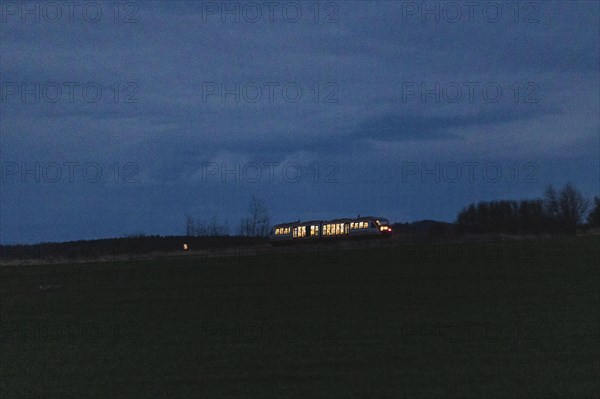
{"x":558,"y":212}
{"x":257,"y":224}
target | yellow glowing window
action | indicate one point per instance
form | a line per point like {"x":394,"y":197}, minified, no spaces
{"x":328,"y":229}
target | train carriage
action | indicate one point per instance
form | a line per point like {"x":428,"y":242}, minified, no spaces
{"x":313,"y":230}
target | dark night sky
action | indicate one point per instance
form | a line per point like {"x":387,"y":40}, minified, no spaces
{"x":412,"y":118}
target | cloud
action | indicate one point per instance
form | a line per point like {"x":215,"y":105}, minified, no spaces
{"x":390,"y":127}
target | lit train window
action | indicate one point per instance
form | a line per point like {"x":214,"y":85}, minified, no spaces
{"x":328,"y":229}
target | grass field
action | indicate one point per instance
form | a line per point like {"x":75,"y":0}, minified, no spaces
{"x":514,"y":319}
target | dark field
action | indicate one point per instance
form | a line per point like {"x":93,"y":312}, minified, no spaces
{"x":518,"y":319}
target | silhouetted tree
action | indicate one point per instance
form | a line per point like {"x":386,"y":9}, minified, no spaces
{"x":258,"y":223}
{"x":199,"y":228}
{"x":559,"y":212}
{"x":531,"y":216}
{"x":572,"y":207}
{"x":551,"y":209}
{"x":467,"y":220}
{"x":594,"y":216}
{"x":565,"y":209}
{"x":190,"y":227}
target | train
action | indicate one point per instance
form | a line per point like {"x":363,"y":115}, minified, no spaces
{"x":319,"y":230}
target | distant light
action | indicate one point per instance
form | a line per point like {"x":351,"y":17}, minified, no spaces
{"x":185,"y":247}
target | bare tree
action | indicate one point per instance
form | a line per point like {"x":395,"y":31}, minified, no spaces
{"x":551,"y":202}
{"x":214,"y":228}
{"x":565,"y":209}
{"x":594,"y":216}
{"x":189,"y":226}
{"x":258,"y":223}
{"x":572,"y":206}
{"x":246,"y":227}
{"x":199,"y":228}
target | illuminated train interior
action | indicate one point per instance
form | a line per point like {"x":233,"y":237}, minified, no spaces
{"x":368,"y":226}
